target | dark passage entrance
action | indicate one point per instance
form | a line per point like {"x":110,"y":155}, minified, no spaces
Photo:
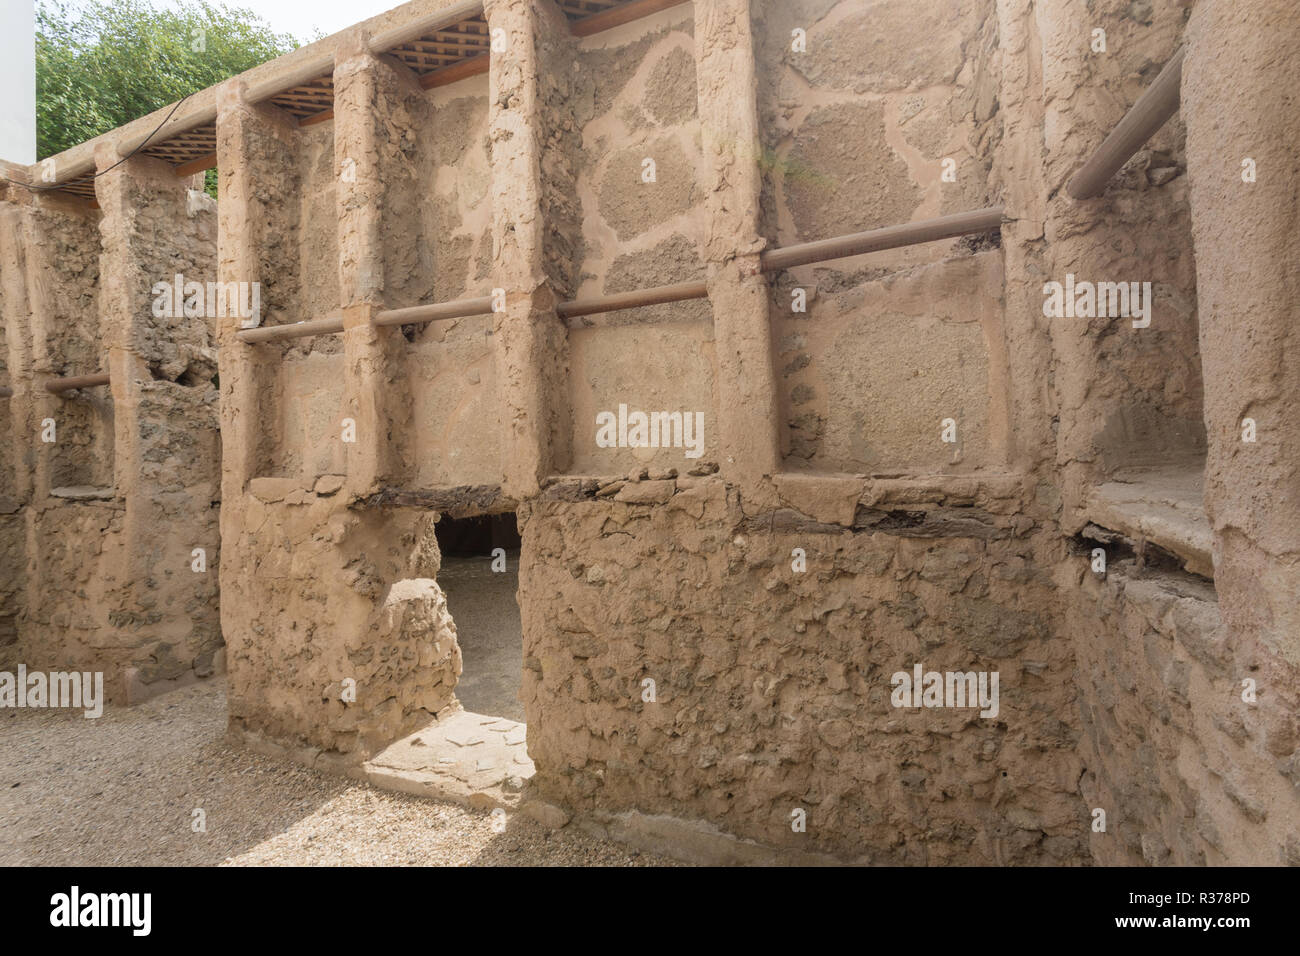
{"x":483,"y":603}
{"x":476,"y":537}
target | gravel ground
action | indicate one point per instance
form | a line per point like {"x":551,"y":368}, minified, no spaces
{"x":121,"y":790}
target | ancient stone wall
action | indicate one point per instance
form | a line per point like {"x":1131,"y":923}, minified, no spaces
{"x":11,"y":464}
{"x":661,"y":576}
{"x":1188,"y":771}
{"x":711,"y":640}
{"x":110,"y":540}
{"x":771,"y":686}
{"x":302,"y":614}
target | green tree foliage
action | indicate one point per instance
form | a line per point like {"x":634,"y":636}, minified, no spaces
{"x":102,"y":63}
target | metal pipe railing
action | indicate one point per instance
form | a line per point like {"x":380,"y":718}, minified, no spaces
{"x":276,"y":333}
{"x":658,"y":295}
{"x":1152,"y":110}
{"x":891,"y":237}
{"x":57,"y":386}
{"x":421,"y":314}
{"x":333,"y":324}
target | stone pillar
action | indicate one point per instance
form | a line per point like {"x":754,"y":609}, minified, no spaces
{"x":123,"y":192}
{"x":166,"y":447}
{"x":251,"y":144}
{"x":727,"y":86}
{"x":18,"y":359}
{"x":530,"y":338}
{"x":1238,"y":103}
{"x":367,"y":92}
{"x":18,"y":455}
{"x":1019,"y":162}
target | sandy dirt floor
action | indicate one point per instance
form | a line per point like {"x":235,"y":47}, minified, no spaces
{"x":121,"y":790}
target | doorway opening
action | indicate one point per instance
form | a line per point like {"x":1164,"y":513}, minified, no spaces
{"x":480,"y":576}
{"x":478,"y":754}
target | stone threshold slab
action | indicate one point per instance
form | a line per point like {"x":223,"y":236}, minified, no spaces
{"x":472,"y":759}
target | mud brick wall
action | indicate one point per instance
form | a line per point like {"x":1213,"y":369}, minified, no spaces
{"x":1187,"y":685}
{"x":340,"y":638}
{"x":304,"y":378}
{"x":768,"y":123}
{"x":102,"y":574}
{"x":777,"y":683}
{"x":1188,"y":772}
{"x":64,"y":287}
{"x":164,"y":389}
{"x":772,"y":686}
{"x":341,"y":596}
{"x":73,"y":343}
{"x":11,"y":464}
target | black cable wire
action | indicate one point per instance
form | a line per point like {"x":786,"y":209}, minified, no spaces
{"x":93,"y":176}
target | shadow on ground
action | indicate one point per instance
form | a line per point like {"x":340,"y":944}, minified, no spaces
{"x":121,"y":791}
